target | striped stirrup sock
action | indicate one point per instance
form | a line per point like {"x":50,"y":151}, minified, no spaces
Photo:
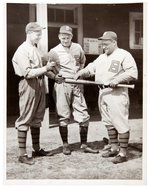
{"x":124,"y":140}
{"x":22,"y":136}
{"x":113,"y":136}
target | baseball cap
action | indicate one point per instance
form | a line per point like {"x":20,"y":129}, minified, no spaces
{"x":33,"y":26}
{"x":65,"y":29}
{"x":108,"y":35}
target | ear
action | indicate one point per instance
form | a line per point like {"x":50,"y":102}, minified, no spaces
{"x":71,"y":37}
{"x":59,"y":36}
{"x":114,"y":42}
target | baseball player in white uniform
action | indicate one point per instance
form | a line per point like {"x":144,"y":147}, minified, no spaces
{"x":111,"y":68}
{"x":27,"y":62}
{"x":69,"y":98}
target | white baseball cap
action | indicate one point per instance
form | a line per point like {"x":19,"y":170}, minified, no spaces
{"x":65,"y":29}
{"x":33,"y":26}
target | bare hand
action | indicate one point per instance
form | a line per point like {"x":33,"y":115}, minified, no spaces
{"x":59,"y":79}
{"x":113,"y":83}
{"x":50,"y":65}
{"x":77,"y":75}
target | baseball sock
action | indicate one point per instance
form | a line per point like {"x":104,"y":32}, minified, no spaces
{"x":64,"y":134}
{"x":83,"y":134}
{"x":113,"y":136}
{"x":22,"y":136}
{"x":35,"y":134}
{"x":124,"y":140}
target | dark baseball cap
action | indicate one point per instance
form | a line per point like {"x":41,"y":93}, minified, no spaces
{"x":108,"y":35}
{"x":33,"y":26}
{"x":65,"y":29}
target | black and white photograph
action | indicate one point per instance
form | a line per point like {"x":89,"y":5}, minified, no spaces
{"x":75,"y":93}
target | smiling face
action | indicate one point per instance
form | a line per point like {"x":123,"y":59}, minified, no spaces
{"x":65,"y":39}
{"x":35,"y":36}
{"x":109,"y":46}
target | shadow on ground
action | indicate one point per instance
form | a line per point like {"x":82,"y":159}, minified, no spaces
{"x":134,"y":149}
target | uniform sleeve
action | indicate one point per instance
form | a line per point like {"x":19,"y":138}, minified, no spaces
{"x":130,"y":72}
{"x":23,"y":62}
{"x":89,"y":70}
{"x":54,"y":57}
{"x":91,"y":67}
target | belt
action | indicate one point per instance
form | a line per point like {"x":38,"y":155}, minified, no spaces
{"x":40,"y":77}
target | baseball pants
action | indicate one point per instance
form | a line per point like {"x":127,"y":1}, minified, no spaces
{"x":31,"y":103}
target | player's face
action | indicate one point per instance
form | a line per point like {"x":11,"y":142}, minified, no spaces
{"x":108,"y":46}
{"x":65,"y":39}
{"x":35,"y":37}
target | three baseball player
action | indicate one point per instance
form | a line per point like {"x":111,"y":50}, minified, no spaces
{"x":111,"y":68}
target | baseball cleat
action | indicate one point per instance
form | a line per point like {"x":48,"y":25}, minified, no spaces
{"x":41,"y":153}
{"x":26,"y":160}
{"x":110,"y":153}
{"x":66,"y":149}
{"x":119,"y":159}
{"x":107,"y":147}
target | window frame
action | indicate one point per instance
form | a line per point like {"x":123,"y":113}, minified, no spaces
{"x":132,"y":17}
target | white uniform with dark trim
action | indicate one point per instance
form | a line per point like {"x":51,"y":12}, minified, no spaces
{"x":114,"y":102}
{"x":69,"y":61}
{"x":28,"y":65}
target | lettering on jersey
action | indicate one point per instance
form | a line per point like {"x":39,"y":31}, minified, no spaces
{"x":114,"y":67}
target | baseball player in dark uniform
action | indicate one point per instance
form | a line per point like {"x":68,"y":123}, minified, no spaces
{"x":69,"y":58}
{"x":115,"y":66}
{"x":27,"y":62}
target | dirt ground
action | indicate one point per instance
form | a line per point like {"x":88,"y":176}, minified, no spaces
{"x":77,"y":166}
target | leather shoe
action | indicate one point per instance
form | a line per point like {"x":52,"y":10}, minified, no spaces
{"x":119,"y":159}
{"x":41,"y":153}
{"x":66,"y":149}
{"x":110,"y":153}
{"x":26,"y":160}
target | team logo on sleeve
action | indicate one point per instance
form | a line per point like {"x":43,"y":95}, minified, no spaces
{"x":114,"y":67}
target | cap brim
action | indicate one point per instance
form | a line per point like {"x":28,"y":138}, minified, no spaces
{"x":65,"y":32}
{"x":103,"y":38}
{"x":39,"y":28}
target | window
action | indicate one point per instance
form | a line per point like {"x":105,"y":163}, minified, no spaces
{"x":136,"y":30}
{"x":66,"y":14}
{"x":61,"y":16}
